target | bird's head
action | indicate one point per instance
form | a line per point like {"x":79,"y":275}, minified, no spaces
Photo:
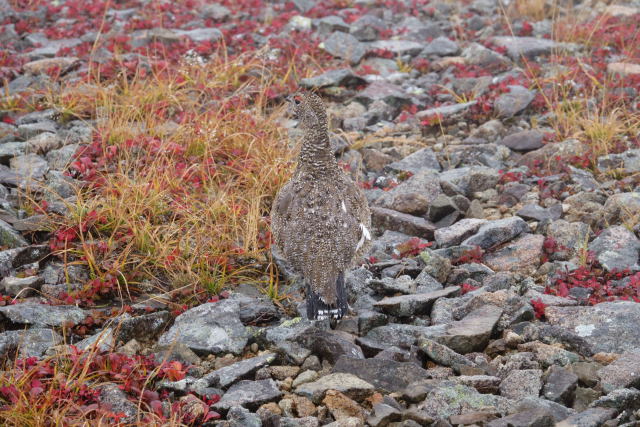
{"x":308,"y":109}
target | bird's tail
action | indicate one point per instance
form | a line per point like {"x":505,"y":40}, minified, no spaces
{"x":317,"y":309}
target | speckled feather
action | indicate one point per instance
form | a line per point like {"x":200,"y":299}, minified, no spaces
{"x":317,"y":218}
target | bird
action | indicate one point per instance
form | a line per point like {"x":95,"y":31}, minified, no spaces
{"x":320,"y":218}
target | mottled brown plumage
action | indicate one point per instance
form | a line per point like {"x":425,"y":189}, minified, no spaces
{"x":320,"y":219}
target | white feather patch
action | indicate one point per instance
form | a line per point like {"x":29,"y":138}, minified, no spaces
{"x":365,"y":236}
{"x":344,"y":208}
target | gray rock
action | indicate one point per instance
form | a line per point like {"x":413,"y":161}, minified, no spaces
{"x":560,"y":385}
{"x":472,"y":333}
{"x":389,"y":286}
{"x":496,"y":232}
{"x":521,"y":383}
{"x":32,"y":342}
{"x":529,"y":47}
{"x":535,"y":212}
{"x":629,"y":161}
{"x":416,"y":304}
{"x":347,"y":384}
{"x":387,"y":376}
{"x":23,"y":286}
{"x":29,"y":130}
{"x":29,"y":313}
{"x":427,"y":283}
{"x":344,"y":46}
{"x":446,"y":111}
{"x":606,"y":327}
{"x":9,"y":150}
{"x":569,"y":236}
{"x":241,"y":417}
{"x":202,"y":34}
{"x":399,"y":47}
{"x":529,"y":418}
{"x":414,"y":195}
{"x":424,"y":158}
{"x":521,"y":255}
{"x":622,"y":373}
{"x":388,"y":219}
{"x":367,"y":27}
{"x":448,"y":398}
{"x":616,"y":248}
{"x":557,"y":411}
{"x":456,"y":233}
{"x":116,"y":400}
{"x":215,"y":11}
{"x":328,"y":344}
{"x":486,"y":384}
{"x":209,"y":328}
{"x":441,"y":46}
{"x":444,"y":356}
{"x":620,"y":399}
{"x":622,"y":207}
{"x":476,"y":54}
{"x":516,"y":100}
{"x":383,"y":414}
{"x":329,"y":24}
{"x":389,"y":93}
{"x":250,"y":394}
{"x":525,"y":140}
{"x":224,"y":377}
{"x":471,"y":180}
{"x":340,"y":77}
{"x":29,"y":166}
{"x":592,"y":417}
{"x":59,"y":159}
{"x":9,"y":236}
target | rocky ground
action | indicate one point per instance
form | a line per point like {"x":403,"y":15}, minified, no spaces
{"x":500,"y":154}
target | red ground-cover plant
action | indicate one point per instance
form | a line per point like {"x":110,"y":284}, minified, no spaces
{"x":602,"y":285}
{"x":469,"y":256}
{"x":538,"y":308}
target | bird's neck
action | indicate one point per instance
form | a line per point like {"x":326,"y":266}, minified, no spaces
{"x":316,"y":155}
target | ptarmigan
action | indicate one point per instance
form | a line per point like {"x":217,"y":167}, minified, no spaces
{"x":320,"y":219}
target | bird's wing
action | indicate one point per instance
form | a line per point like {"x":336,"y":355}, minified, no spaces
{"x":360,"y":210}
{"x":280,"y":213}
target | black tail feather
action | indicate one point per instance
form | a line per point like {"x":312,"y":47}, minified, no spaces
{"x":317,"y":309}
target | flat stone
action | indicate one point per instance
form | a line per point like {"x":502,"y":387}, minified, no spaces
{"x":622,"y":373}
{"x":329,"y":345}
{"x":620,"y":399}
{"x":525,"y":140}
{"x":42,"y":65}
{"x":242,"y":417}
{"x":383,"y":414}
{"x":616,"y":248}
{"x":386,"y":376}
{"x":472,"y":333}
{"x":399,"y":47}
{"x":202,"y":34}
{"x":250,"y":394}
{"x":496,"y":232}
{"x":620,"y":10}
{"x":529,"y":47}
{"x":447,"y":399}
{"x":623,"y":68}
{"x":29,"y":313}
{"x":33,"y":342}
{"x":441,"y":46}
{"x":113,"y":397}
{"x":621,"y":207}
{"x":29,"y":130}
{"x":569,"y":237}
{"x":340,"y":77}
{"x":414,"y":195}
{"x":477,"y":54}
{"x":29,"y":165}
{"x":388,"y":219}
{"x":628,"y":161}
{"x":608,"y":327}
{"x":529,"y":418}
{"x":444,"y":356}
{"x":23,"y":286}
{"x":344,"y":46}
{"x":513,"y":102}
{"x":445,"y":111}
{"x":224,"y":377}
{"x":592,"y":417}
{"x":389,"y":286}
{"x":416,"y":304}
{"x":9,"y":150}
{"x":486,"y":384}
{"x":389,"y":93}
{"x":424,"y":158}
{"x":342,"y":407}
{"x":209,"y":328}
{"x":521,"y":383}
{"x":560,"y":385}
{"x":456,"y":233}
{"x":536,"y":212}
{"x":522,"y":254}
{"x":9,"y":236}
{"x":557,"y":411}
{"x":347,"y":384}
